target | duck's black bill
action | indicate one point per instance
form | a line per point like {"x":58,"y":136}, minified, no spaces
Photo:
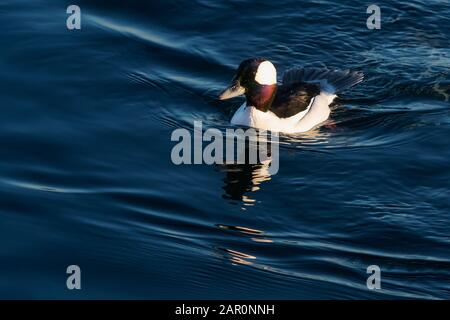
{"x":232,"y":91}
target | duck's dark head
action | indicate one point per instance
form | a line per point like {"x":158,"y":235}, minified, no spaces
{"x":257,"y":79}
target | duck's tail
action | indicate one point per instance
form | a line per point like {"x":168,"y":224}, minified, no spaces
{"x":332,"y":80}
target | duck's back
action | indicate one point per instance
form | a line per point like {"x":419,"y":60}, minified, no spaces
{"x":293,"y":98}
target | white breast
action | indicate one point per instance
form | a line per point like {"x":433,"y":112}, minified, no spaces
{"x":316,"y":113}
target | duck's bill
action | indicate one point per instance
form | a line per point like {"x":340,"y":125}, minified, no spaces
{"x":232,"y":91}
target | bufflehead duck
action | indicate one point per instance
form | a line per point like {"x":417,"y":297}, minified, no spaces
{"x":299,"y":104}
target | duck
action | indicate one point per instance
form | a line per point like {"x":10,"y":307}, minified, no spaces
{"x":299,"y":104}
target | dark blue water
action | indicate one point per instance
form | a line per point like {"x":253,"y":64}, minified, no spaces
{"x":86,"y":176}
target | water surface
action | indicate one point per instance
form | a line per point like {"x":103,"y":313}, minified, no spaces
{"x":86,"y":176}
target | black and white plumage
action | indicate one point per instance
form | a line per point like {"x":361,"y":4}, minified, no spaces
{"x":299,"y":104}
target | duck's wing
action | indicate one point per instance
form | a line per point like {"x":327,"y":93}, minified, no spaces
{"x":333,"y":80}
{"x":293,"y":98}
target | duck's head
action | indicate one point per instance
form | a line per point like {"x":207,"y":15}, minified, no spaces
{"x":257,"y":80}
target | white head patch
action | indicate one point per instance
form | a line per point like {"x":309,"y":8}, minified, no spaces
{"x":266,"y":73}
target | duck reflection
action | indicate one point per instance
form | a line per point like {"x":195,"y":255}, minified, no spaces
{"x":237,"y":256}
{"x":241,"y":182}
{"x":243,"y":179}
{"x":258,"y":161}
